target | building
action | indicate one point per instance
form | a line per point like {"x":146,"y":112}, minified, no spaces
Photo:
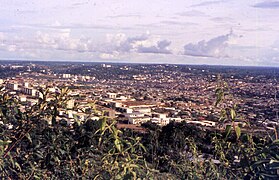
{"x":112,"y":95}
{"x":66,"y":76}
{"x":29,"y":91}
{"x":12,"y":86}
{"x":136,"y":118}
{"x":70,"y":104}
{"x":26,"y":84}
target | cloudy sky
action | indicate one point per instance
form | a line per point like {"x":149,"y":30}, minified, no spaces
{"x":225,"y":32}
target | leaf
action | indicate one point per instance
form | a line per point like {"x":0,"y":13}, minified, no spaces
{"x":141,"y":145}
{"x":39,"y":154}
{"x":96,"y":177}
{"x":28,"y":137}
{"x":276,"y":141}
{"x":220,"y":98}
{"x":134,"y":174}
{"x":237,"y":131}
{"x":220,"y":95}
{"x":3,"y":143}
{"x":56,"y":159}
{"x":265,"y":176}
{"x":117,"y":145}
{"x":16,"y":110}
{"x":62,"y":151}
{"x":17,"y":166}
{"x":115,"y":132}
{"x":36,"y":177}
{"x":133,"y":166}
{"x":228,"y":130}
{"x":103,"y":124}
{"x":233,"y":114}
{"x":218,"y":90}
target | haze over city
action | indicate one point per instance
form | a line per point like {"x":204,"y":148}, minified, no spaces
{"x":219,"y":32}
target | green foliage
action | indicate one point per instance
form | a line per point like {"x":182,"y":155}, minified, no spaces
{"x":123,"y":155}
{"x":228,"y":110}
{"x":32,"y":148}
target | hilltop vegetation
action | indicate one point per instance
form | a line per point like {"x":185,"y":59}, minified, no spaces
{"x":31,"y":148}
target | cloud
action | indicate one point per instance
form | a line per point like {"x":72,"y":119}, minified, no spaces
{"x":62,"y":40}
{"x":162,"y":47}
{"x":57,"y":26}
{"x":274,"y":45}
{"x":126,"y":16}
{"x":178,"y":23}
{"x":113,"y":55}
{"x":132,"y":43}
{"x":268,"y":56}
{"x":192,"y":13}
{"x":222,"y":19}
{"x":80,"y":3}
{"x":167,"y":24}
{"x":207,"y":3}
{"x":267,"y":5}
{"x":28,"y":12}
{"x":6,"y":44}
{"x":215,"y":47}
{"x":11,"y":48}
{"x":144,"y":43}
{"x":62,"y":43}
{"x":2,"y":36}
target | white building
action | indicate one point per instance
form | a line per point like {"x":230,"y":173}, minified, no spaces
{"x":70,"y":104}
{"x":26,"y":84}
{"x":203,"y":123}
{"x":112,"y":95}
{"x":12,"y":86}
{"x":161,"y":122}
{"x":22,"y":98}
{"x":125,"y":110}
{"x":29,"y":91}
{"x":66,"y":76}
{"x":145,"y":110}
{"x":136,"y":118}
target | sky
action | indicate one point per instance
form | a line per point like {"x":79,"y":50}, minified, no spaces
{"x":214,"y":32}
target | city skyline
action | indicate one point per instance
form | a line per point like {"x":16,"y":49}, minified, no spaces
{"x":218,"y":32}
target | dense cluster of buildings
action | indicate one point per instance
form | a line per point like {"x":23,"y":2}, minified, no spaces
{"x":143,"y":93}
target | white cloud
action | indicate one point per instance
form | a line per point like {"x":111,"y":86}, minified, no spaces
{"x":144,"y":43}
{"x":161,"y":47}
{"x":54,"y":42}
{"x":115,"y":38}
{"x":62,"y":40}
{"x":215,"y":47}
{"x":192,"y":13}
{"x":207,"y":3}
{"x":113,"y":55}
{"x":11,"y":48}
{"x":56,"y":24}
{"x":131,"y":44}
{"x":2,"y":36}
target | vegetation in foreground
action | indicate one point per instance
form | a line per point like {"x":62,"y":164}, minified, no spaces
{"x":30,"y":148}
